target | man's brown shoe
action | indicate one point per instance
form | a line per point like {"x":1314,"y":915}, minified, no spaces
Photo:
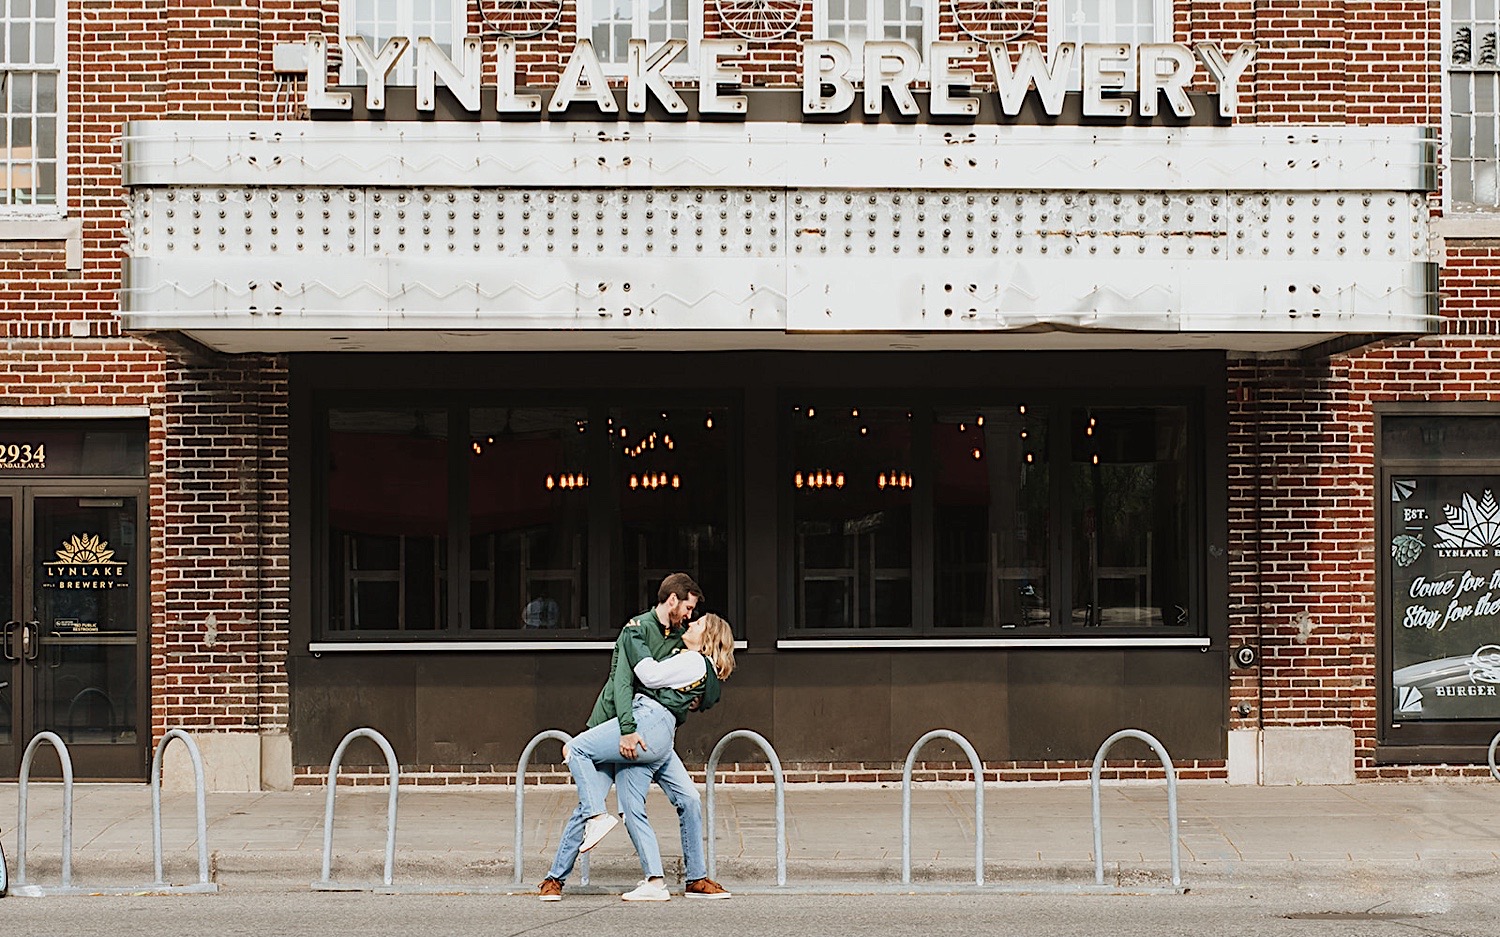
{"x":706,"y":888}
{"x":550,"y":889}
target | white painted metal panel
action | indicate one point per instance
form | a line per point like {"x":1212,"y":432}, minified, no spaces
{"x":454,"y":293}
{"x":755,"y":229}
{"x":1099,"y":293}
{"x":854,"y":155}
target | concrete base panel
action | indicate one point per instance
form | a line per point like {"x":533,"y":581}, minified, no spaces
{"x":1307,"y":756}
{"x":1244,"y":756}
{"x":232,"y":761}
{"x":276,"y":762}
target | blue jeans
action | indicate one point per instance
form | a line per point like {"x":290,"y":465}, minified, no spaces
{"x":572,"y":835}
{"x":593,"y":757}
{"x":674,"y":780}
{"x":680,"y":790}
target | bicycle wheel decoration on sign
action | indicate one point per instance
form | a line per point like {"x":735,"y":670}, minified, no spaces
{"x":996,"y":20}
{"x":518,"y":19}
{"x":762,"y":20}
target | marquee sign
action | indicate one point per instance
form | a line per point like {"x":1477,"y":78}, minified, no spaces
{"x":1116,"y":80}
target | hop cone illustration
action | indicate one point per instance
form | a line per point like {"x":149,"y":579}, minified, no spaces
{"x":1405,"y":549}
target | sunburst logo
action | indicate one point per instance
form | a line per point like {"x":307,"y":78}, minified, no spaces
{"x":88,"y":548}
{"x":1471,"y":524}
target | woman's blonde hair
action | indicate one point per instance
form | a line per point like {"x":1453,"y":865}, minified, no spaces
{"x":718,"y":644}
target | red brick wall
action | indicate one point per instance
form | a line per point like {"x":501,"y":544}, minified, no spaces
{"x":219,"y":663}
{"x":1302,"y":508}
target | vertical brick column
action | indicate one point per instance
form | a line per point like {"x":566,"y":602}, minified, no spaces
{"x":1301,"y":536}
{"x":219,"y":662}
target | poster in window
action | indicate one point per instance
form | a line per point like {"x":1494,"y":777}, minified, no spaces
{"x":1445,"y":597}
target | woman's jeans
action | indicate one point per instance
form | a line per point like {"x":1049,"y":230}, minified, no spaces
{"x":600,"y":746}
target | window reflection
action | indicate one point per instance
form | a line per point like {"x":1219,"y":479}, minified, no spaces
{"x":388,"y":519}
{"x":990,"y":517}
{"x":852,"y":486}
{"x":529,"y":484}
{"x":670,"y":469}
{"x":1129,"y":517}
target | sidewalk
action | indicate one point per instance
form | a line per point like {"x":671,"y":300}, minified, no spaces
{"x":839,"y":838}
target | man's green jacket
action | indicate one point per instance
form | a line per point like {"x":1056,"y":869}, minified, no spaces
{"x":643,"y":637}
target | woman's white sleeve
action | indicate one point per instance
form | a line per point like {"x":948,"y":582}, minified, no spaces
{"x":678,"y":670}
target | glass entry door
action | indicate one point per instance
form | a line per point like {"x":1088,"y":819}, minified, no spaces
{"x":73,"y":578}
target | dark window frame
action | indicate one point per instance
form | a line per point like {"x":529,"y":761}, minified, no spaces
{"x":603,"y":530}
{"x":1417,"y":742}
{"x":1060,"y":403}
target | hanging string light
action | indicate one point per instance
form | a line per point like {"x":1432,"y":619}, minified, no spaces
{"x":894,"y":479}
{"x":822,"y":478}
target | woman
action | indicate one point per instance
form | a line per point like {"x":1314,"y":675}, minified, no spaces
{"x":666,"y":691}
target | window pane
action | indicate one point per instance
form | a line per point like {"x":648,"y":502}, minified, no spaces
{"x":57,"y":449}
{"x":990,"y":517}
{"x":20,"y":43}
{"x":528,"y":518}
{"x":671,"y":472}
{"x":379,"y":20}
{"x":46,"y":94}
{"x":851,"y":490}
{"x":387,"y":519}
{"x":1130,"y":534}
{"x":1440,"y":437}
{"x":1444,"y":564}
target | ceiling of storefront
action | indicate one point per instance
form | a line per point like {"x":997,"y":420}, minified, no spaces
{"x":291,"y":341}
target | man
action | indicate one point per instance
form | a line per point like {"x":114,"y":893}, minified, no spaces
{"x":660,"y":630}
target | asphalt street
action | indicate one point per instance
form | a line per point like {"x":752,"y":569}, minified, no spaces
{"x":1382,"y":909}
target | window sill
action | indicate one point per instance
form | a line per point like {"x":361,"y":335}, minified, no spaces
{"x":340,"y":647}
{"x":938,"y":642}
{"x":48,"y":227}
{"x":1460,"y":226}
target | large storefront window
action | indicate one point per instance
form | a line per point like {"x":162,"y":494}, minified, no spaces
{"x":852,"y":516}
{"x":529,"y":483}
{"x":1130,"y":534}
{"x":1441,"y":593}
{"x":670,"y":472}
{"x":990,"y":515}
{"x":948,"y":519}
{"x":534,"y":521}
{"x":387,"y":519}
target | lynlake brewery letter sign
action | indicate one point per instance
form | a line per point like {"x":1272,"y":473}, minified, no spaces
{"x":1445,"y":597}
{"x":1106,"y":74}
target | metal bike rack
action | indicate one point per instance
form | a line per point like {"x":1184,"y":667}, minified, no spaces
{"x":325,"y":884}
{"x":37,"y":891}
{"x":1166,"y":761}
{"x":536,"y":740}
{"x":159,"y":882}
{"x":978,"y":766}
{"x":713,"y":762}
{"x":1494,"y":770}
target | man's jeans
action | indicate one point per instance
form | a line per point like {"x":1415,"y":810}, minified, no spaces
{"x":634,"y":782}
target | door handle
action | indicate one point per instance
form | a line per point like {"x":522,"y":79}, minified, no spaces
{"x":31,"y":639}
{"x":5,"y":644}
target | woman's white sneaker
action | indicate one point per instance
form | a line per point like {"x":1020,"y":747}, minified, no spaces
{"x":595,"y":829}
